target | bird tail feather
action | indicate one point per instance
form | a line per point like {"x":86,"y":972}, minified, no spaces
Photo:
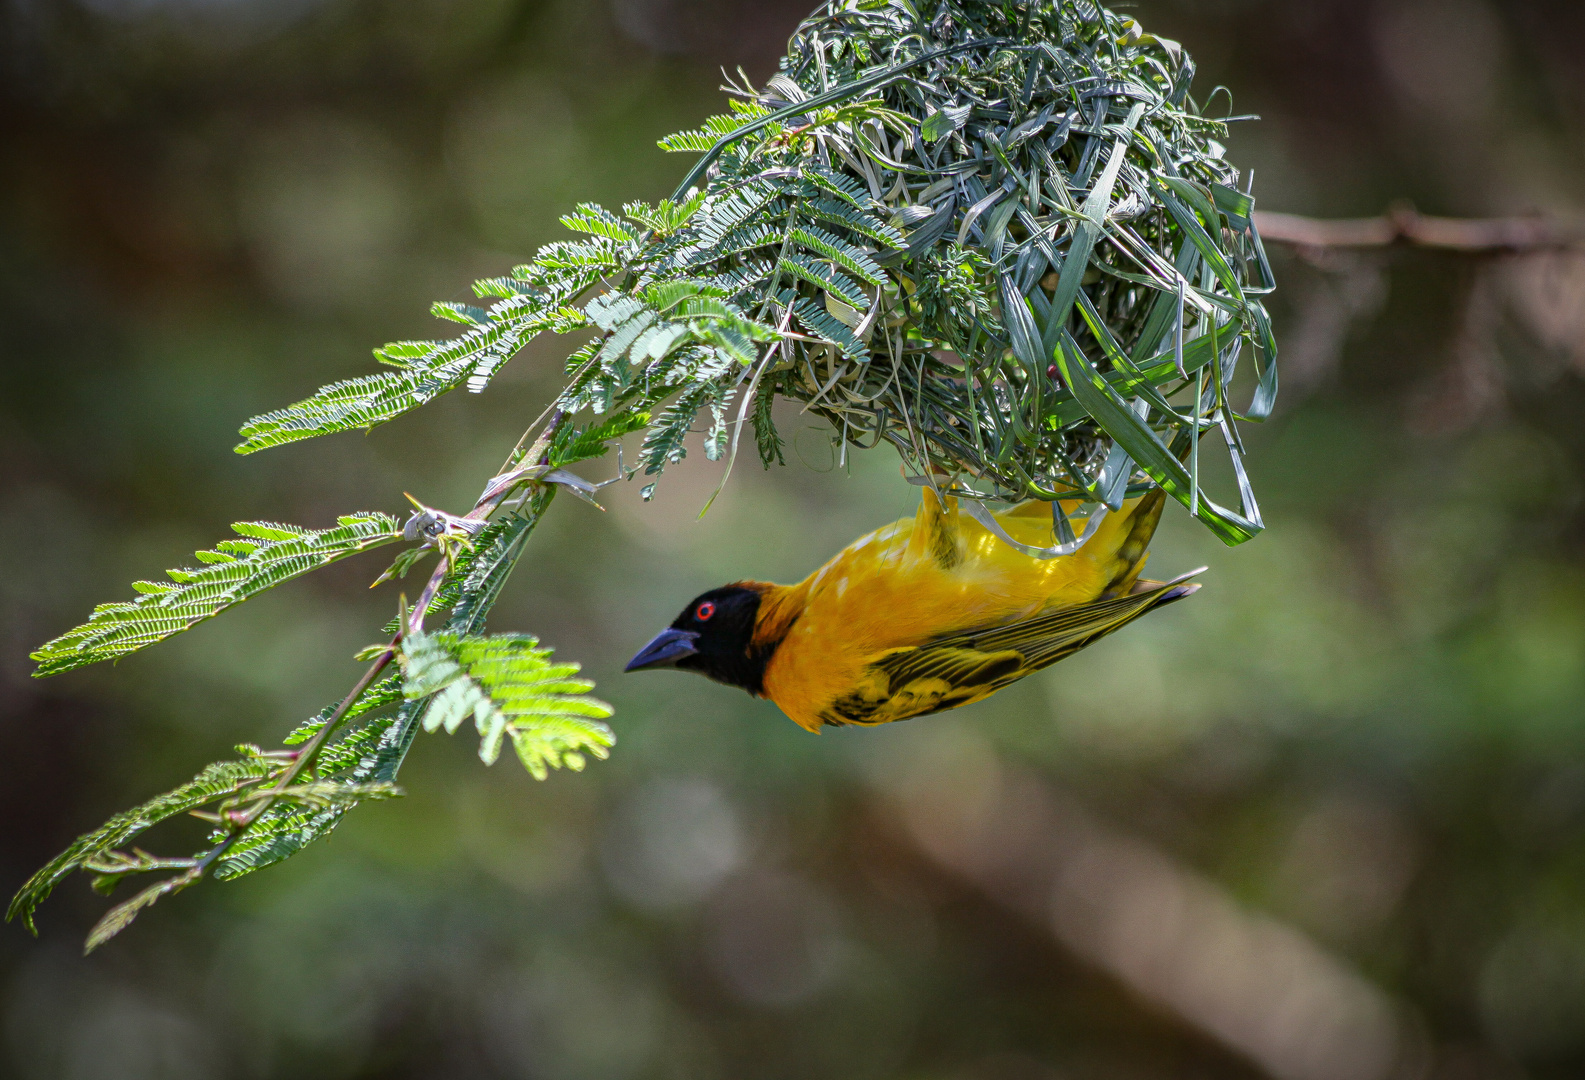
{"x":1132,"y":553}
{"x":1048,"y":638}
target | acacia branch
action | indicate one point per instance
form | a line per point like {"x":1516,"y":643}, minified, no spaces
{"x":487,"y":505}
{"x":1403,"y":224}
{"x":308,"y":753}
{"x":239,"y":822}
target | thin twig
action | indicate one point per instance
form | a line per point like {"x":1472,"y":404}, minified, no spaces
{"x":240,"y":823}
{"x":487,"y":504}
{"x":553,"y":407}
{"x":1403,"y":224}
{"x":306,"y":755}
{"x":742,"y":413}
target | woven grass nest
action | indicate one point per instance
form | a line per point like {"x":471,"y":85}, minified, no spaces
{"x":1000,"y":236}
{"x":1010,"y":242}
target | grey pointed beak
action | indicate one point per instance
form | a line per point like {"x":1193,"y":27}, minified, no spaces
{"x":668,"y":647}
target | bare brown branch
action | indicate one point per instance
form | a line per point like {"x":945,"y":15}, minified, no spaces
{"x":1403,"y":224}
{"x":1173,"y":936}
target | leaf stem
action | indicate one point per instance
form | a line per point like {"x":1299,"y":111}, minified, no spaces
{"x":540,"y":454}
{"x":311,"y":749}
{"x":242,"y":822}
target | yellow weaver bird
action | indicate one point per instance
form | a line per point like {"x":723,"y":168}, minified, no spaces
{"x":925,"y":614}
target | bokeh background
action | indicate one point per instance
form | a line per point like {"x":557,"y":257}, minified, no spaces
{"x":1324,"y":822}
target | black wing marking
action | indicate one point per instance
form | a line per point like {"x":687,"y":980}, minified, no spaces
{"x":956,"y":677}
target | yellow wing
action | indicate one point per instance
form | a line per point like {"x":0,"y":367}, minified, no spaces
{"x":922,"y":582}
{"x":962,"y":668}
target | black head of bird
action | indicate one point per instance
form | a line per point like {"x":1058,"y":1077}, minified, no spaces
{"x":713,"y":637}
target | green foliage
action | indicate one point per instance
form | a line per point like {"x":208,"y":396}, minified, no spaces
{"x":217,"y":781}
{"x":378,"y":736}
{"x":465,"y":590}
{"x":236,"y":570}
{"x":358,"y":763}
{"x":667,"y":216}
{"x":120,"y":917}
{"x":714,"y":128}
{"x":572,"y":445}
{"x":512,"y":690}
{"x":537,"y":302}
{"x":925,"y":212}
{"x":766,"y":438}
{"x":298,"y":816}
{"x":402,"y":564}
{"x":228,"y":788}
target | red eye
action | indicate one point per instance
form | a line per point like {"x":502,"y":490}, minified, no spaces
{"x":704,"y":611}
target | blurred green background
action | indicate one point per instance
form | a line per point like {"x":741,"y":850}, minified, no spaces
{"x":1339,"y":797}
